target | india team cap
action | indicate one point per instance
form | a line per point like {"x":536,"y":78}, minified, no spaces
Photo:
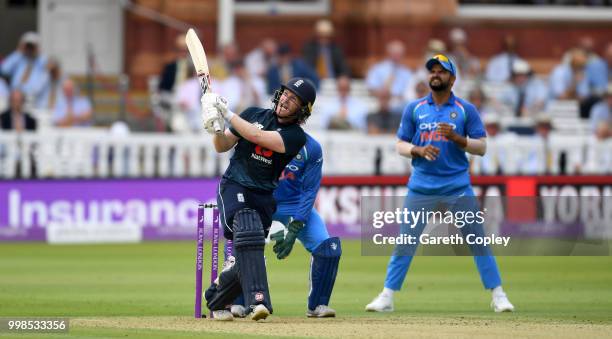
{"x":444,"y":61}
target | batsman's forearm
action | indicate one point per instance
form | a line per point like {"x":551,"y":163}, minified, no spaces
{"x":245,"y":128}
{"x":222,"y":143}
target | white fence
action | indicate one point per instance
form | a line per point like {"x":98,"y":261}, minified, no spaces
{"x":95,"y":153}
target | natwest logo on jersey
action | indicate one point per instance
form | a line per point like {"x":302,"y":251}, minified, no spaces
{"x":262,"y":154}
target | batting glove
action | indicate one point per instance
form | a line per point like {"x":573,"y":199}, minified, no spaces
{"x":221,"y":104}
{"x":212,"y":119}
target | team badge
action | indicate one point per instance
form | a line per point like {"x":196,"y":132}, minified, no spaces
{"x":453,"y":115}
{"x":298,"y":156}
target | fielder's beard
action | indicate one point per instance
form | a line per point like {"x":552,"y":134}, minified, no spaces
{"x":441,"y":86}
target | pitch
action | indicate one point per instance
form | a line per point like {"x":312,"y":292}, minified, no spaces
{"x":146,"y":291}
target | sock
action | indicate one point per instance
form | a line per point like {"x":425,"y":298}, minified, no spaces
{"x":498,"y":291}
{"x":388,"y":292}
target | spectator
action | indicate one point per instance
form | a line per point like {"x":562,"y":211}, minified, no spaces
{"x":495,"y":161}
{"x":15,"y":118}
{"x":608,"y":60}
{"x":220,"y":67}
{"x":499,"y":68}
{"x":74,"y":110}
{"x":527,"y":95}
{"x":539,"y":159}
{"x":421,"y":89}
{"x":390,"y":75}
{"x":50,"y":91}
{"x":345,"y":112}
{"x":569,"y":81}
{"x":323,"y":55}
{"x":482,"y":103}
{"x":186,"y":114}
{"x":258,"y":60}
{"x":242,"y":89}
{"x":177,"y":71}
{"x":385,"y":120}
{"x":287,"y":68}
{"x":598,"y":158}
{"x":602,"y":111}
{"x":596,"y":68}
{"x":4,"y":94}
{"x":421,"y":75}
{"x":25,"y":67}
{"x":468,"y":65}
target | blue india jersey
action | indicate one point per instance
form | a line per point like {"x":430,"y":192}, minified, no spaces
{"x":299,"y":182}
{"x":419,"y":126}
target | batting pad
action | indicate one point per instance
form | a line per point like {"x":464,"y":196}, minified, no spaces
{"x":221,"y":297}
{"x":323,"y":270}
{"x":249,"y":242}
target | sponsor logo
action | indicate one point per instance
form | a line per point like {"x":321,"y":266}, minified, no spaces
{"x":298,"y":83}
{"x":261,"y":158}
{"x":432,"y":126}
{"x":263,"y":151}
{"x":258,"y":125}
{"x":259,"y":296}
{"x":287,"y":175}
{"x":333,"y":246}
{"x":240,"y":197}
{"x":423,"y":116}
{"x":262,"y":154}
{"x":429,"y":131}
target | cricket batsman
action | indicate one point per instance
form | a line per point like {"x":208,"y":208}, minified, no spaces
{"x":264,"y":142}
{"x":436,"y":131}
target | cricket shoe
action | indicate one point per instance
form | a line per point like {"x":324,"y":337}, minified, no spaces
{"x":321,"y":311}
{"x":222,"y":315}
{"x":260,"y":312}
{"x":500,"y":303}
{"x":238,"y":311}
{"x":382,"y":303}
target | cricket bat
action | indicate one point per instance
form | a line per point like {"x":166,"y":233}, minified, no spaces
{"x":198,"y":56}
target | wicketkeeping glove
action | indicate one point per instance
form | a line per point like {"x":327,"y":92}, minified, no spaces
{"x":283,"y":247}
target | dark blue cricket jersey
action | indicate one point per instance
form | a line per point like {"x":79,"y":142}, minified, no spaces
{"x":256,"y":167}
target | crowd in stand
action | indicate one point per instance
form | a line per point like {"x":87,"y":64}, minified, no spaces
{"x":249,"y":79}
{"x":27,"y":75}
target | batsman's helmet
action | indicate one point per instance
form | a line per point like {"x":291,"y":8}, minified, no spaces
{"x":305,"y":90}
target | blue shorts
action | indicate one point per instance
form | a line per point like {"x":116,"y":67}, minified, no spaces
{"x":232,"y":197}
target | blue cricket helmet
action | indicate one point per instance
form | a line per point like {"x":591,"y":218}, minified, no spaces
{"x":305,"y":90}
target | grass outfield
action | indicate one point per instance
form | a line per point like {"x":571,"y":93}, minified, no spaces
{"x":146,"y":291}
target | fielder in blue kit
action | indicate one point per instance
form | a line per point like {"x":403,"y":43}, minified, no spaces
{"x":295,"y":196}
{"x":436,"y":131}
